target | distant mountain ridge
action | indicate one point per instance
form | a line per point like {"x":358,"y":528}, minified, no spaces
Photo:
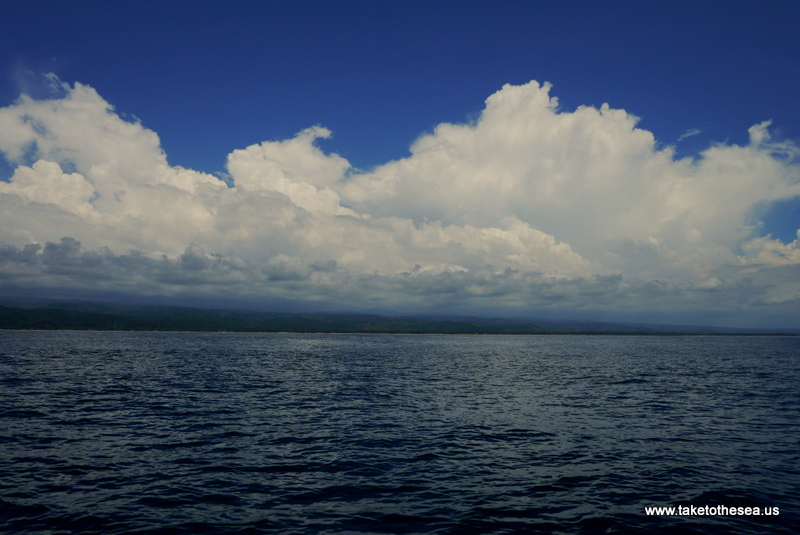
{"x":91,"y":316}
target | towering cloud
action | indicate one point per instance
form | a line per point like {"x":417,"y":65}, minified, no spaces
{"x":528,"y":207}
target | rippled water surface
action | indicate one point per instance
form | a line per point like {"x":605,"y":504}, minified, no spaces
{"x":298,"y":434}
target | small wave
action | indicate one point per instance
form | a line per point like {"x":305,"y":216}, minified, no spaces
{"x":163,"y":503}
{"x":22,"y":413}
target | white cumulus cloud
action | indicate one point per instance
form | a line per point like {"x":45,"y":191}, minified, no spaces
{"x":529,"y":207}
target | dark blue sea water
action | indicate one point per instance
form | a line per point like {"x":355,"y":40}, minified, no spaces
{"x":300,"y":434}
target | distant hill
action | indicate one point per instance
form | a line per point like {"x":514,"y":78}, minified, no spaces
{"x":88,"y":316}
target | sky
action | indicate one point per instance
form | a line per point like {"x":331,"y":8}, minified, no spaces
{"x":615,"y":161}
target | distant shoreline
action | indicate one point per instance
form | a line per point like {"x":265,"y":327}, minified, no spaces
{"x":376,"y":333}
{"x":103,"y":318}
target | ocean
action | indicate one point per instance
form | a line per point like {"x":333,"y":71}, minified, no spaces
{"x":194,"y":433}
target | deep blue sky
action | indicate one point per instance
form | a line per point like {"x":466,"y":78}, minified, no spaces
{"x":210,"y":77}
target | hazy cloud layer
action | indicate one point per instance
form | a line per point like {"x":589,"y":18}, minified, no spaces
{"x":528,"y":208}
